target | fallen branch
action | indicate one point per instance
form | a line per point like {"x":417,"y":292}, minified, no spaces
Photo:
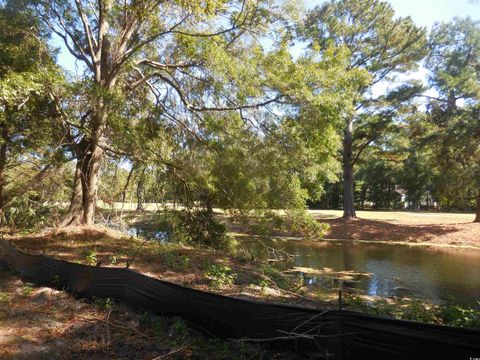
{"x":130,"y":261}
{"x":172,"y":352}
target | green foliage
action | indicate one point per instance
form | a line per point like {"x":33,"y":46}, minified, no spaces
{"x":154,"y":323}
{"x":454,"y":58}
{"x":378,"y":45}
{"x":28,"y":137}
{"x":179,"y":328}
{"x":377,"y":179}
{"x":27,"y":290}
{"x":91,"y":257}
{"x":27,"y":214}
{"x":304,"y":223}
{"x":453,"y":132}
{"x":198,"y":228}
{"x":104,"y":303}
{"x":4,"y":297}
{"x":368,"y":28}
{"x":176,"y":262}
{"x":456,"y":315}
{"x":274,"y":276}
{"x":219,"y":275}
{"x":446,"y":314}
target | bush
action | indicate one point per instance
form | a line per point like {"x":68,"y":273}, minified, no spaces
{"x":445,"y":314}
{"x":27,"y":214}
{"x":219,"y":275}
{"x":198,"y":228}
{"x":297,"y":220}
{"x":456,"y":315}
{"x":304,"y":223}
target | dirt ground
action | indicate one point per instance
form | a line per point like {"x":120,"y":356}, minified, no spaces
{"x":402,"y":227}
{"x":411,"y":227}
{"x":408,"y":227}
{"x":46,"y":324}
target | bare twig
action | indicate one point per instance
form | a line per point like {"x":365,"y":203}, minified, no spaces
{"x":172,"y":352}
{"x":130,"y":261}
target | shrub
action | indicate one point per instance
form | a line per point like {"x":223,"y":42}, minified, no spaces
{"x":26,"y":214}
{"x":198,"y":228}
{"x":91,"y":257}
{"x":219,"y":275}
{"x":456,"y":315}
{"x":176,"y":262}
{"x":446,"y":314}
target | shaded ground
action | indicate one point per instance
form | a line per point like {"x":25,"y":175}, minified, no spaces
{"x":465,"y":234}
{"x":41,"y":323}
{"x":187,"y":266}
{"x":429,"y":228}
{"x":390,"y":226}
{"x":403,"y":226}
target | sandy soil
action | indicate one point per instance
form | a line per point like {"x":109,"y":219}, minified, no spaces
{"x":407,"y":227}
{"x":42,"y":323}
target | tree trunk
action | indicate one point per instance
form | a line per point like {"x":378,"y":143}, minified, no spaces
{"x":84,"y":197}
{"x":3,"y":163}
{"x":477,"y":216}
{"x":209,"y":205}
{"x":348,"y":199}
{"x":363,"y":197}
{"x":75,"y":211}
{"x":140,"y":189}
{"x":90,"y":177}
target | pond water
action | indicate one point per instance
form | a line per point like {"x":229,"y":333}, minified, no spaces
{"x":432,"y":273}
{"x":436,"y":274}
{"x":147,"y":233}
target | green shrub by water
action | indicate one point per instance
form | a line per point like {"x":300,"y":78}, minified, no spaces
{"x":197,"y":228}
{"x":417,"y":310}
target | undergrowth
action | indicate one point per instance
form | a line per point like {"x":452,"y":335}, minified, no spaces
{"x":417,"y":310}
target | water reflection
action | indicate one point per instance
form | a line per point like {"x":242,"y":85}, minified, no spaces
{"x":147,"y":233}
{"x":437,"y":274}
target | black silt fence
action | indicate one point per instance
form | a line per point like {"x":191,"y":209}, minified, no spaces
{"x":340,"y":333}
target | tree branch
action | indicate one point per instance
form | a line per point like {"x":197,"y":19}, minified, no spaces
{"x":92,"y":44}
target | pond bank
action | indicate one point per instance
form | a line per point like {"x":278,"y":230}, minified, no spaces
{"x":353,"y":241}
{"x":393,"y":271}
{"x":59,"y":325}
